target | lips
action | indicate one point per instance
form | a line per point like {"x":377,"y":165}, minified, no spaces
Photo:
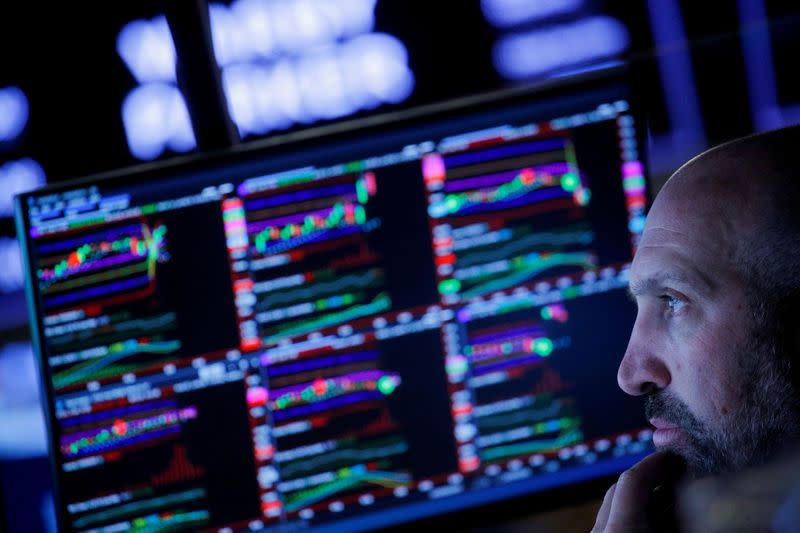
{"x":665,"y":432}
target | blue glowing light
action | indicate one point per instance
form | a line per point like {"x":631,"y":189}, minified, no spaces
{"x":155,"y":117}
{"x":382,"y":63}
{"x":17,"y":177}
{"x":765,"y":107}
{"x":330,"y":82}
{"x":283,"y":62}
{"x":508,"y":13}
{"x":11,"y":273}
{"x":147,"y":49}
{"x":266,"y":29}
{"x":544,"y":51}
{"x":13,"y":113}
{"x":687,"y":134}
{"x":21,"y":414}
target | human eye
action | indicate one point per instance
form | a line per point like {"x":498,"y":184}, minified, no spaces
{"x":674,"y":303}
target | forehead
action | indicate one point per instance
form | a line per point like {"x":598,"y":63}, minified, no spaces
{"x":689,"y":236}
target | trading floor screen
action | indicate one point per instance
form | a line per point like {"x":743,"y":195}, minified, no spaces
{"x":374,"y":330}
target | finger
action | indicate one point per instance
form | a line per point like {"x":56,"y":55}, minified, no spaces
{"x":605,"y":510}
{"x":635,"y":486}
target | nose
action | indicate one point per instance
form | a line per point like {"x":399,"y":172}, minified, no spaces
{"x":642,"y":371}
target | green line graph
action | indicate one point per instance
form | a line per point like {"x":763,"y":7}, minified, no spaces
{"x":527,"y":267}
{"x":366,"y":452}
{"x":116,"y":352}
{"x":566,"y":438}
{"x":347,"y":479}
{"x":381,"y":302}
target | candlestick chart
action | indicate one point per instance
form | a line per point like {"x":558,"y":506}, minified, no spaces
{"x":99,"y":289}
{"x":312,"y":259}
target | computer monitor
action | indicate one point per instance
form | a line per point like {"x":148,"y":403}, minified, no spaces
{"x":344,"y":330}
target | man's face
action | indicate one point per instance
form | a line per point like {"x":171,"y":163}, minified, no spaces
{"x":710,"y":370}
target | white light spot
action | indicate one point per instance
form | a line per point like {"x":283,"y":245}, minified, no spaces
{"x":147,"y":49}
{"x":507,"y":13}
{"x":13,"y":113}
{"x":564,"y":46}
{"x":17,"y":177}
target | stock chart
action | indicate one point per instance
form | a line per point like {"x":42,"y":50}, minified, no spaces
{"x":381,"y":326}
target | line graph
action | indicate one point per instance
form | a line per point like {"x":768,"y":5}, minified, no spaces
{"x":108,"y":355}
{"x":150,"y":504}
{"x":124,"y":432}
{"x":119,"y":326}
{"x":382,"y":302}
{"x":104,"y":264}
{"x":567,"y":438}
{"x":360,"y":279}
{"x":505,"y":420}
{"x":522,"y":406}
{"x":325,"y":389}
{"x":370,"y":451}
{"x":524,"y":238}
{"x":345,"y":479}
{"x":314,"y":262}
{"x":509,"y":215}
{"x":518,"y":270}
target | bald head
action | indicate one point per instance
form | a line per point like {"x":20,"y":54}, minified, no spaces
{"x":742,"y":199}
{"x":716,"y":265}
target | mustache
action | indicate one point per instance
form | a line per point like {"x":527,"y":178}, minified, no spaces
{"x":671,"y":409}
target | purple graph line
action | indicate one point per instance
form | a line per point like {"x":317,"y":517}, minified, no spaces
{"x":502,"y":365}
{"x":322,"y":235}
{"x":105,"y":263}
{"x":299,"y":196}
{"x":256,"y":227}
{"x":128,"y":441}
{"x":354,"y":376}
{"x":501,"y":335}
{"x":530,"y":198}
{"x":340,"y":401}
{"x":500,"y":177}
{"x":312,"y":364}
{"x":117,"y":286}
{"x":114,"y":413}
{"x":98,"y":236}
{"x":503,"y":152}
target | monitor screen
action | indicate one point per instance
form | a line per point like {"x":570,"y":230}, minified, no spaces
{"x":346,"y":331}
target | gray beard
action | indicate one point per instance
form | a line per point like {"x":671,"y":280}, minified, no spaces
{"x":766,"y":420}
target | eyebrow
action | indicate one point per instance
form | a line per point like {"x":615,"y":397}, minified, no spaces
{"x":655,"y":283}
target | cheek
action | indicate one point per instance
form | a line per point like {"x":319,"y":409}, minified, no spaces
{"x":709,"y":362}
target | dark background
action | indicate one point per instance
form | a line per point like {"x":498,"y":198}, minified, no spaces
{"x":706,"y":74}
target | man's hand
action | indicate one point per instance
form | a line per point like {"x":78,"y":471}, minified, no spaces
{"x":642,"y":498}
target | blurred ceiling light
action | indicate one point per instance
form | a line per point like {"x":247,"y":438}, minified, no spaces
{"x":229,"y":41}
{"x":21,"y":415}
{"x":18,"y":377}
{"x":565,"y":46}
{"x":320,"y":80}
{"x":147,"y":49}
{"x":331,"y":82}
{"x":155,"y":116}
{"x":256,"y":26}
{"x":17,"y":177}
{"x":282,"y":62}
{"x":382,"y":62}
{"x":508,"y":13}
{"x":245,"y":30}
{"x":11,"y":275}
{"x":13,"y":113}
